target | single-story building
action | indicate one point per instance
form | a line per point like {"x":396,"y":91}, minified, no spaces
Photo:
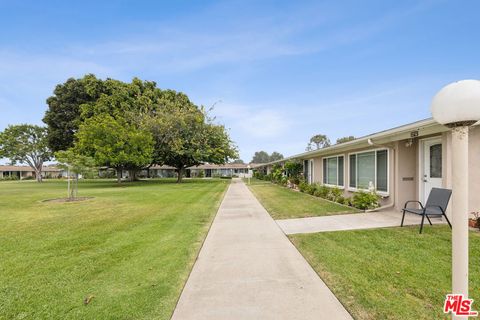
{"x":22,"y":172}
{"x":204,"y":170}
{"x":401,"y":164}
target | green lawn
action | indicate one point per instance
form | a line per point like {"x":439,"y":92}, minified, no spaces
{"x":392,"y":273}
{"x":131,"y":247}
{"x":283,"y":203}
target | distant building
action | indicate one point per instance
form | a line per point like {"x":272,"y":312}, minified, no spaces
{"x":204,"y":170}
{"x":25,"y":172}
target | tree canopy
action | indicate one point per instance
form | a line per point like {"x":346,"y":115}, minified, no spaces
{"x":26,"y":143}
{"x":276,"y":156}
{"x":64,"y":109}
{"x":115,"y":143}
{"x":345,"y":139}
{"x":318,"y":141}
{"x":261,"y":157}
{"x":134,"y":125}
{"x":264,"y":157}
{"x":184,"y":136}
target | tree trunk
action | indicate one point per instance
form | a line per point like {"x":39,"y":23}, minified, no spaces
{"x":38,"y":175}
{"x":180,"y":172}
{"x":75,"y":187}
{"x":119,"y":175}
{"x":132,"y":175}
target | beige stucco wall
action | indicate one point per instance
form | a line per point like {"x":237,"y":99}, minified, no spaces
{"x":406,"y":172}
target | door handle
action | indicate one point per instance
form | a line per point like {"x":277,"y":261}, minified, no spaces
{"x":425,"y":180}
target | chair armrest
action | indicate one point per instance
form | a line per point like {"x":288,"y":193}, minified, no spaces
{"x":411,"y":201}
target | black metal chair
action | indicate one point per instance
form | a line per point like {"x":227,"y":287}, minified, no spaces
{"x":436,"y":205}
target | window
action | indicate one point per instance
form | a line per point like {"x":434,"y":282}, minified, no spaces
{"x":436,"y":161}
{"x":333,"y":171}
{"x":369,"y":170}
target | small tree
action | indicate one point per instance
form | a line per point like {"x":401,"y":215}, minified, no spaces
{"x":26,"y":143}
{"x":77,"y":165}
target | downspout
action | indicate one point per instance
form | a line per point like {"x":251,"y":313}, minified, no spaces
{"x":392,"y":194}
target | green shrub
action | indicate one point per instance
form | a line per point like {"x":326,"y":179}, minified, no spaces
{"x":314,"y":187}
{"x":335,"y":194}
{"x":29,"y":178}
{"x":277,"y":174}
{"x":302,"y":186}
{"x":366,"y":200}
{"x":324,"y":191}
{"x":10,"y":178}
{"x":201,"y":173}
{"x":226,"y":177}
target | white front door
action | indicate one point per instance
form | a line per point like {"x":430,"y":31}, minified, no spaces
{"x":432,"y":166}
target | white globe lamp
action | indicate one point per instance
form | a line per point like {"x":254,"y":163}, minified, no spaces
{"x":457,"y":104}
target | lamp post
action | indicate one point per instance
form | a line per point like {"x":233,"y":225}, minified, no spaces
{"x":457,"y":106}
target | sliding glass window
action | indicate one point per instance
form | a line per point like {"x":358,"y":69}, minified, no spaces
{"x":369,"y":170}
{"x":333,"y":171}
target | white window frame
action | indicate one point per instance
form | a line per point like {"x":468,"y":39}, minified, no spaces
{"x":323,"y":173}
{"x":382,"y":193}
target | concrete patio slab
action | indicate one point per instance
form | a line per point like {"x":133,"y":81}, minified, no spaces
{"x":370,"y":220}
{"x":248,"y":269}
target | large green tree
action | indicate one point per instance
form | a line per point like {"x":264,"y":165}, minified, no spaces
{"x":63,"y":116}
{"x":127,"y":104}
{"x":26,"y":143}
{"x":115,"y":143}
{"x":185,"y":136}
{"x":261,"y":157}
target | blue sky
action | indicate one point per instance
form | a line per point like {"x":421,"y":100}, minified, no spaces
{"x":280,"y":71}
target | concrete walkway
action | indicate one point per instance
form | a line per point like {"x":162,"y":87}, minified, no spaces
{"x":248,"y":269}
{"x":370,"y":220}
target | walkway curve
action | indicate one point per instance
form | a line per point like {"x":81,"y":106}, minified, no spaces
{"x":248,"y":269}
